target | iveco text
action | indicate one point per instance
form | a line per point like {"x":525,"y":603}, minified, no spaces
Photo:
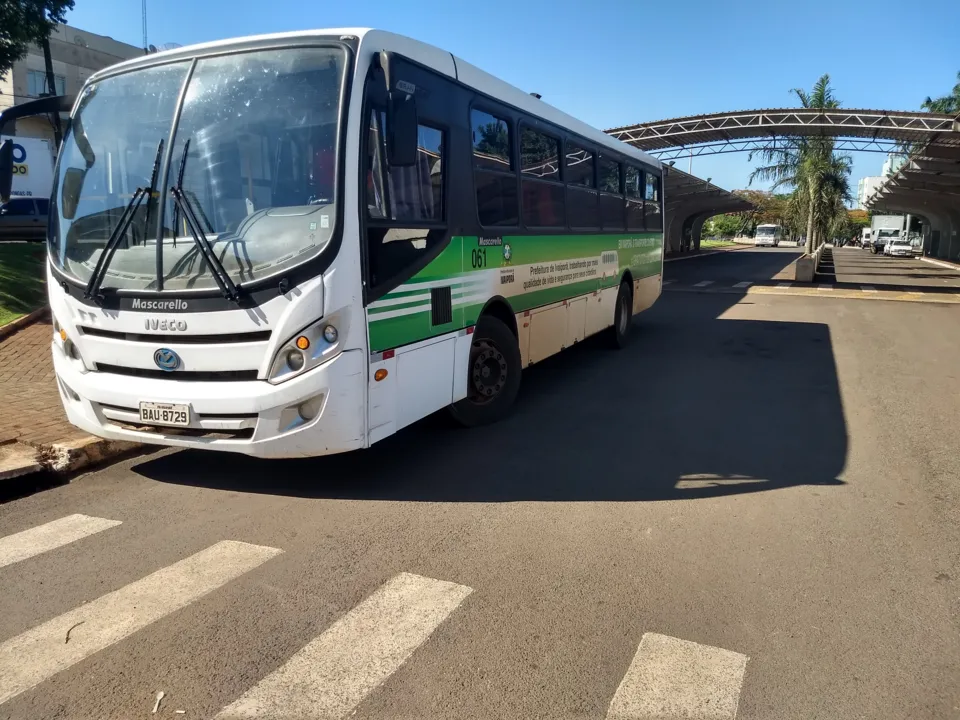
{"x":360,"y":228}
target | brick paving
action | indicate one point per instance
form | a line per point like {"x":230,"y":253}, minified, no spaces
{"x":30,"y":407}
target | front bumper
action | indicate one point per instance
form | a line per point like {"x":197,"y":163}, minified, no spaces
{"x":251,"y":417}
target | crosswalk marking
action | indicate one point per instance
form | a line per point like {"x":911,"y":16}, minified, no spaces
{"x":669,"y":282}
{"x":673,"y":678}
{"x":703,"y":283}
{"x":868,"y":288}
{"x":784,"y":285}
{"x":39,"y":653}
{"x":50,"y":536}
{"x":744,"y":284}
{"x":330,"y":675}
{"x":825,"y":287}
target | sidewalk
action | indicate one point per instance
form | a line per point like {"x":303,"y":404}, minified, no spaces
{"x":34,"y":432}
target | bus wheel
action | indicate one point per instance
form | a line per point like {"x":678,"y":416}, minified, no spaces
{"x":620,"y":332}
{"x":493,"y":379}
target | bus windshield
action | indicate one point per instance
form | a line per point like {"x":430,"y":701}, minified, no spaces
{"x":254,"y":153}
{"x":766,"y":231}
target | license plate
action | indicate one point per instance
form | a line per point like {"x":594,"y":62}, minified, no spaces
{"x":152,"y":413}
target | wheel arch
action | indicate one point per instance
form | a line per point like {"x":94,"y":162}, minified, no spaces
{"x":500,"y":308}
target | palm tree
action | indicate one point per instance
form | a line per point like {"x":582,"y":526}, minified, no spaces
{"x":809,"y":165}
{"x":948,"y":104}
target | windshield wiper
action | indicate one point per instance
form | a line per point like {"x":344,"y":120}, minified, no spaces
{"x":96,"y":279}
{"x":176,"y":210}
{"x":153,"y":184}
{"x":220,"y":274}
{"x":106,"y":256}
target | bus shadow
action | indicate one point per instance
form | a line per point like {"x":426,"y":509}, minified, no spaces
{"x":696,"y":407}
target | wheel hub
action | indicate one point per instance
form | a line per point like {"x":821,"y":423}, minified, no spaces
{"x":488,"y":372}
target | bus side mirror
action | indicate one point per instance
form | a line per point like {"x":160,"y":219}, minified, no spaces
{"x":402,"y":126}
{"x":402,"y":123}
{"x":70,"y":191}
{"x":6,"y":170}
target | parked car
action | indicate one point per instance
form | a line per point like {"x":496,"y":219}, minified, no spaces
{"x":899,"y":247}
{"x":24,"y":218}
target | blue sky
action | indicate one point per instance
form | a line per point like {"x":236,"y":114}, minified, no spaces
{"x":617,"y":62}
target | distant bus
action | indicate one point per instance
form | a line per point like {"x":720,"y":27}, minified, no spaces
{"x":768,"y":235}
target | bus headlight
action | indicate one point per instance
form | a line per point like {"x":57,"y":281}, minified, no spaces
{"x":313,"y":345}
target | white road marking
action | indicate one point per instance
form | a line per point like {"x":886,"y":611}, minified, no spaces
{"x":669,"y":282}
{"x":50,"y":536}
{"x":672,"y":678}
{"x":868,"y":288}
{"x":825,"y":287}
{"x":703,"y":283}
{"x":41,"y":652}
{"x":744,"y":284}
{"x":332,"y":674}
{"x":784,"y":285}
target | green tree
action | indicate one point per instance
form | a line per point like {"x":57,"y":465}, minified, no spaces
{"x":25,"y":22}
{"x":728,"y":225}
{"x":948,"y":104}
{"x":818,"y":176}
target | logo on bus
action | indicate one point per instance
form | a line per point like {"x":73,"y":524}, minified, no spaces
{"x":166,"y":359}
{"x":138,"y":304}
{"x":165,"y":325}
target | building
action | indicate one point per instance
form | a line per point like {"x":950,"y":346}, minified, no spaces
{"x":893,"y":163}
{"x":76,"y":54}
{"x":867,"y":187}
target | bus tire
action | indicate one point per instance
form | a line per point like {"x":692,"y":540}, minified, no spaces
{"x":493,"y":379}
{"x":622,"y":317}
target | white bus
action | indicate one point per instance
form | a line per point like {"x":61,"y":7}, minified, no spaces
{"x":298,"y":244}
{"x":767,"y":235}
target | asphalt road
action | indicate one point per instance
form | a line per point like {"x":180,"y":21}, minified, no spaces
{"x":746,"y":264}
{"x":753,"y":510}
{"x":855,"y":265}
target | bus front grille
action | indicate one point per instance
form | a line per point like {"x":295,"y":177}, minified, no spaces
{"x":192,"y":375}
{"x":233,"y":338}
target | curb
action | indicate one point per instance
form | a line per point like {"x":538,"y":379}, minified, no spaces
{"x":22,"y":322}
{"x":941,"y":263}
{"x":19,"y":459}
{"x":691,"y":256}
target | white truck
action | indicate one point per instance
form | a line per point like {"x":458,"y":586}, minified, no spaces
{"x":884,"y":230}
{"x":32,"y":167}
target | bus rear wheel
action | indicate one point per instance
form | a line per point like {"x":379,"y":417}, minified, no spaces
{"x":493,"y":378}
{"x":622,"y":315}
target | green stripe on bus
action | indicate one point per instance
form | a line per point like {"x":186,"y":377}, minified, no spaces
{"x":466,"y":267}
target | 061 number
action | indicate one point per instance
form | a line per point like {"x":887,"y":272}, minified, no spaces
{"x":478,"y":257}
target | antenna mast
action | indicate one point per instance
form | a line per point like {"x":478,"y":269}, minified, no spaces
{"x":144,"y":7}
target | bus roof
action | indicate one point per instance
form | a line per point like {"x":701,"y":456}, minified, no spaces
{"x":767,"y":225}
{"x":433,"y":57}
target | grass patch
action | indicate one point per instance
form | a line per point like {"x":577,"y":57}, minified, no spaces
{"x":22,"y":285}
{"x":706,"y":244}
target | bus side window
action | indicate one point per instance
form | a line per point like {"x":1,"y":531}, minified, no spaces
{"x":634,"y":195}
{"x":651,"y":206}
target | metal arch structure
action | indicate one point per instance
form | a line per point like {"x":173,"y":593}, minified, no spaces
{"x":755,"y":144}
{"x":745,"y":130}
{"x":688,"y":202}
